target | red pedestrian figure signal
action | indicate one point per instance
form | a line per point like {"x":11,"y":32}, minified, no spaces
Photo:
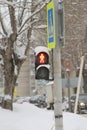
{"x":42,"y":58}
{"x":42,"y":63}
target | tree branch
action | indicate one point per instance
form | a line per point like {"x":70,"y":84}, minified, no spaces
{"x":2,"y":24}
{"x":12,"y":17}
{"x":34,"y":13}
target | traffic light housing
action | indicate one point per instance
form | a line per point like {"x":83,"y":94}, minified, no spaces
{"x":42,"y":63}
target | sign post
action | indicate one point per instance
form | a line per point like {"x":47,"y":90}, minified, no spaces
{"x":68,"y":67}
{"x":79,"y":84}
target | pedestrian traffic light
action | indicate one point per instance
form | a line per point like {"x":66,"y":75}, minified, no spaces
{"x":42,"y":63}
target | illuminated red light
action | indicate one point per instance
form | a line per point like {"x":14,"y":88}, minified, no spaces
{"x":42,"y":58}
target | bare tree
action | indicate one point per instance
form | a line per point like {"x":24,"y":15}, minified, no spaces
{"x":17,"y":19}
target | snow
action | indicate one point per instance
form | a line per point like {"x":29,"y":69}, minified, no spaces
{"x":6,"y":97}
{"x":41,"y":49}
{"x":26,"y":116}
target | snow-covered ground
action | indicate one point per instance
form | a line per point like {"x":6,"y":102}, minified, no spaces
{"x":26,"y":116}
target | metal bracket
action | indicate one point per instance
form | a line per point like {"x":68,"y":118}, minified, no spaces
{"x":58,"y":116}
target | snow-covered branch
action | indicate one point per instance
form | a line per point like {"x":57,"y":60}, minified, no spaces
{"x":29,"y":25}
{"x":34,"y":13}
{"x":3,"y":48}
{"x":7,"y":2}
{"x":40,"y":27}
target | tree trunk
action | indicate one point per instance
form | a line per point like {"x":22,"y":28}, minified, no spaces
{"x":9,"y":85}
{"x":9,"y":75}
{"x":8,"y":90}
{"x":11,"y":62}
{"x":7,"y":104}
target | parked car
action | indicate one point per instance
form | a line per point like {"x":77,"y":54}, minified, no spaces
{"x":82,"y":103}
{"x":65,"y":105}
{"x":38,"y":100}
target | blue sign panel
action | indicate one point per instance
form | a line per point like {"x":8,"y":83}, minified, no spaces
{"x":50,"y":25}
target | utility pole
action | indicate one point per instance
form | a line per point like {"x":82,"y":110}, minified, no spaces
{"x":55,"y":38}
{"x":57,"y":73}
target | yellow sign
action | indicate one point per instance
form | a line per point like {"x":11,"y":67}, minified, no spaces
{"x":50,"y":25}
{"x":15,"y":91}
